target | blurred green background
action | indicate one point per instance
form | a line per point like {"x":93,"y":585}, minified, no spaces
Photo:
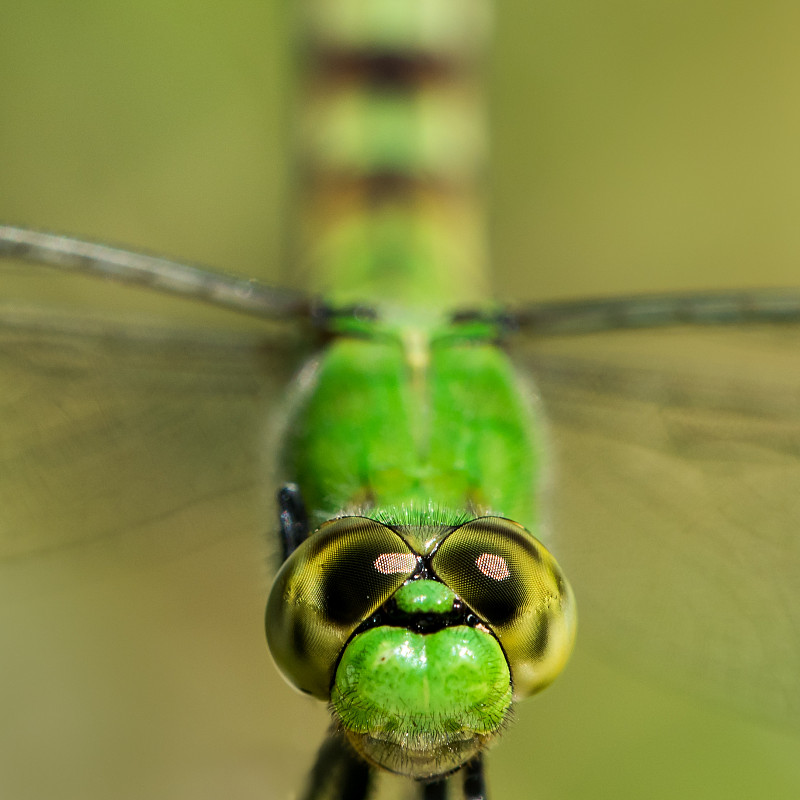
{"x":637,"y":146}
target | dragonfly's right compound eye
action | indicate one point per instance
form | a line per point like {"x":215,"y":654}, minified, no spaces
{"x":516,"y":587}
{"x":334,"y":581}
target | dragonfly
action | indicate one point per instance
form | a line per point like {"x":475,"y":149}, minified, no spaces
{"x":137,"y":589}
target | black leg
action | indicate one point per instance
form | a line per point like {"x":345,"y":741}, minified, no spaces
{"x":435,"y":791}
{"x":294,"y":520}
{"x":474,"y":782}
{"x":338,"y":773}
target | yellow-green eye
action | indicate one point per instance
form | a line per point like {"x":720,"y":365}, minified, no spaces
{"x":333,"y":582}
{"x":516,"y":587}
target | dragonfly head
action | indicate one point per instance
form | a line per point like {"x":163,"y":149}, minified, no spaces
{"x":420,"y":653}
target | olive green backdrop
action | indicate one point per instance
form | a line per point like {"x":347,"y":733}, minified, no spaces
{"x":638,"y":146}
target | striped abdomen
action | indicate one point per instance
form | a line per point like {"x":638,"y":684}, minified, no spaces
{"x":391,"y":144}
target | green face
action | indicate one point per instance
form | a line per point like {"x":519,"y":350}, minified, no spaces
{"x":420,"y":648}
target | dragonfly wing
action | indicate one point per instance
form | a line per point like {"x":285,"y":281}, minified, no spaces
{"x":108,"y":431}
{"x":136,"y":510}
{"x":154,"y":272}
{"x":674,"y":501}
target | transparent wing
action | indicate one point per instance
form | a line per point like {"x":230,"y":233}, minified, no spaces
{"x":109,"y":429}
{"x":136,"y":523}
{"x":674,"y":501}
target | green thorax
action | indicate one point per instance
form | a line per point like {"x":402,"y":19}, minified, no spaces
{"x":417,"y":422}
{"x":391,"y":144}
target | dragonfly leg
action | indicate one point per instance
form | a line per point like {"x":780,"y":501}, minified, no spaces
{"x":435,"y":791}
{"x":294,"y":520}
{"x":338,"y":773}
{"x":474,"y":781}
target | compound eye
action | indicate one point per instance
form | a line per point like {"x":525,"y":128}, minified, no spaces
{"x":334,"y":581}
{"x":510,"y":580}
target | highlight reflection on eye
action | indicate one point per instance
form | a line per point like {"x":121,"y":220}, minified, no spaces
{"x":393,"y":563}
{"x":493,"y":566}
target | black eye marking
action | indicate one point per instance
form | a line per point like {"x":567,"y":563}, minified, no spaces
{"x":542,"y":637}
{"x":299,"y":639}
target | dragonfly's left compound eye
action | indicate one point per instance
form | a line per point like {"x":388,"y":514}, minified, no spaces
{"x":333,"y":582}
{"x":515,"y":586}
